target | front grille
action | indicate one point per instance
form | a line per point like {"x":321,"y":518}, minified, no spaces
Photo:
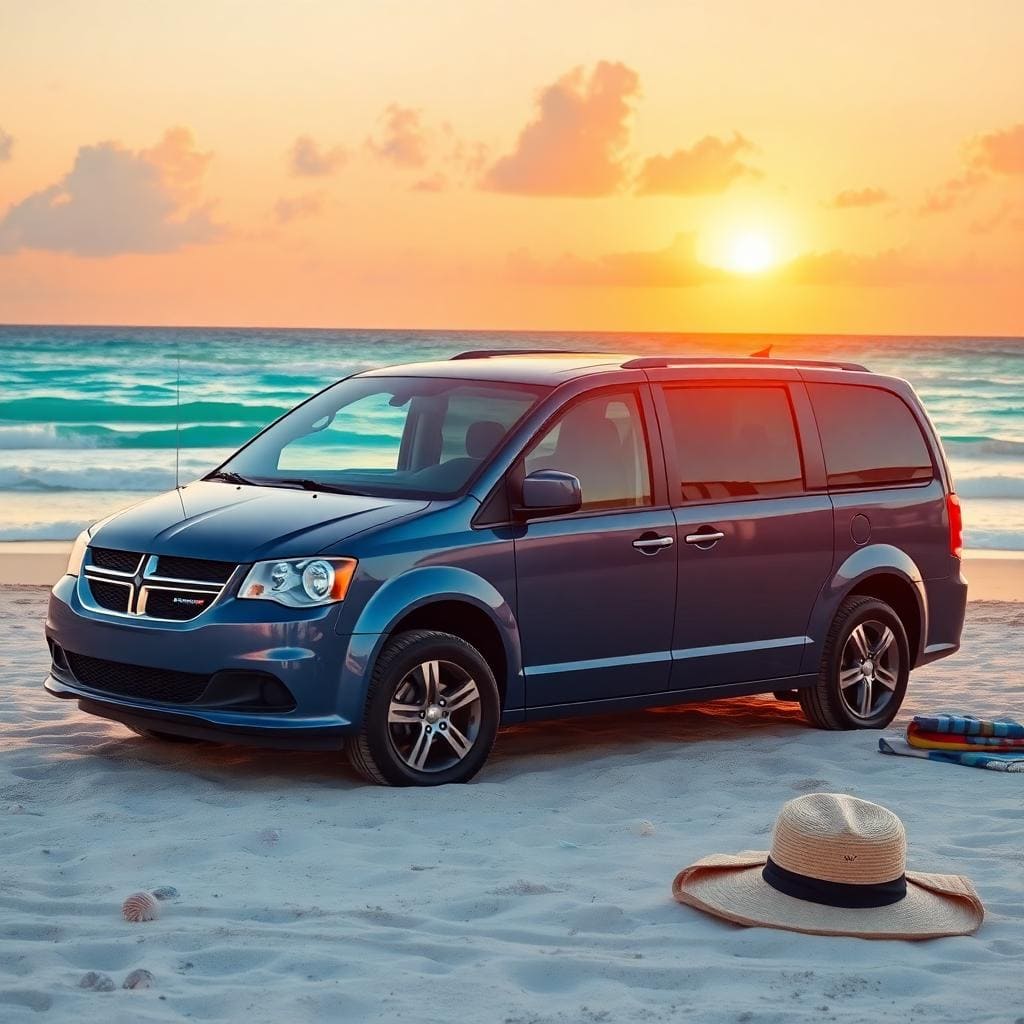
{"x":112,"y":596}
{"x":178,"y":605}
{"x":118,"y":561}
{"x":197,"y":583}
{"x":199,"y":569}
{"x":156,"y":684}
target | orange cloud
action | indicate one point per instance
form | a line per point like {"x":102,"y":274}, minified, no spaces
{"x":575,"y":146}
{"x":850,"y":198}
{"x":1001,"y":152}
{"x":1009,"y":213}
{"x":677,"y":266}
{"x":673,"y":267}
{"x":996,"y":152}
{"x":404,"y":140}
{"x":953,"y":192}
{"x":431,"y":183}
{"x":116,"y":200}
{"x":711,"y":166}
{"x":308,"y":160}
{"x":466,"y":158}
{"x":838,"y":267}
{"x":6,"y":146}
{"x":297,"y":208}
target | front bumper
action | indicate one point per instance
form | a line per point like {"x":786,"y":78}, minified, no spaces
{"x":323,"y":671}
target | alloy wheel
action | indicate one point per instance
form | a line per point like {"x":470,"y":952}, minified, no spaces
{"x":434,"y":716}
{"x":869,"y":669}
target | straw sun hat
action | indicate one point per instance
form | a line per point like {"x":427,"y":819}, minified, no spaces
{"x":836,"y":867}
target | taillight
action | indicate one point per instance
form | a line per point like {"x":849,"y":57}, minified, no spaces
{"x":956,"y":525}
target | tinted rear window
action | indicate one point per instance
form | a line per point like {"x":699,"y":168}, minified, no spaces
{"x":870,"y":437}
{"x":734,"y":442}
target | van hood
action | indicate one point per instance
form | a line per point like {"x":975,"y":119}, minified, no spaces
{"x":229,"y":523}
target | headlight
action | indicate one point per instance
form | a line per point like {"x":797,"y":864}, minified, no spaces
{"x":77,"y":555}
{"x":299,"y":582}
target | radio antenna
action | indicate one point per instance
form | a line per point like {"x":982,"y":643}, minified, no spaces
{"x":177,"y":416}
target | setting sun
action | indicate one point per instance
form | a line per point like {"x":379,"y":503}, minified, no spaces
{"x":751,"y":253}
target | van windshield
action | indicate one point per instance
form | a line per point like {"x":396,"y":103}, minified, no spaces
{"x":416,"y":437}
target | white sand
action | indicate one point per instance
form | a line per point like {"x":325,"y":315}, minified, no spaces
{"x":536,"y":894}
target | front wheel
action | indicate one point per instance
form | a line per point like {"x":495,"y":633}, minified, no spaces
{"x":865,"y":667}
{"x":431,"y":714}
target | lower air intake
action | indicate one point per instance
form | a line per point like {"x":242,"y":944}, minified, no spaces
{"x":155,"y":684}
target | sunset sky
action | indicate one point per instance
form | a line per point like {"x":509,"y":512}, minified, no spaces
{"x":790,"y":166}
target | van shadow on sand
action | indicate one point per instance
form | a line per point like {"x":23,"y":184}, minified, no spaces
{"x":740,"y":723}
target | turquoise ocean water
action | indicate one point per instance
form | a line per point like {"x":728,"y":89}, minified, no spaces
{"x":88,"y":414}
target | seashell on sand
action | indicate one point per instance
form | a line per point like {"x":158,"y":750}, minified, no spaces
{"x":140,"y":906}
{"x":139,"y":978}
{"x":97,"y":982}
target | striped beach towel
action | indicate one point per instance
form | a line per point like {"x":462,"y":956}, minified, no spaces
{"x":968,"y":725}
{"x":999,"y":762}
{"x":918,"y":737}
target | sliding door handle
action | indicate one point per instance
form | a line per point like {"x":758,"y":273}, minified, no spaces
{"x":652,"y":545}
{"x":705,"y":538}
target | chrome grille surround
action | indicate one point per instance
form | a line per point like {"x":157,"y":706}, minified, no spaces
{"x":189,"y":598}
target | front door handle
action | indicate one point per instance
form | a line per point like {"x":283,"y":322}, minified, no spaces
{"x":651,"y":545}
{"x":705,"y":538}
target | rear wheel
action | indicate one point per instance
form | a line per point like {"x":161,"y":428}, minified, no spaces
{"x":865,"y":667}
{"x":431,"y":714}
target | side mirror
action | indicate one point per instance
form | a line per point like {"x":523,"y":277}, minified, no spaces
{"x":549,"y":492}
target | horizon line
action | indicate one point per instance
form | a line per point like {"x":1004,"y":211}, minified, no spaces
{"x":518,"y":330}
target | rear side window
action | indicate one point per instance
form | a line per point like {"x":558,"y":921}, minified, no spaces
{"x":869,"y":437}
{"x":734,"y":442}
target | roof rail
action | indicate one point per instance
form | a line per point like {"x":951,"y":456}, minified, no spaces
{"x":653,"y":362}
{"x":488,"y":353}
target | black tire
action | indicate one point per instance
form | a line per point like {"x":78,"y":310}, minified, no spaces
{"x":163,"y":737}
{"x":378,"y":752}
{"x":828,"y":704}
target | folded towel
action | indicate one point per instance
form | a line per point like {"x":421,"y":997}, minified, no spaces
{"x":917,"y":737}
{"x":968,"y":725}
{"x":981,"y":759}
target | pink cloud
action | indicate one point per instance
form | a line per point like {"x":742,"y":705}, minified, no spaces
{"x":575,"y":146}
{"x":403,"y":140}
{"x":710,"y":166}
{"x":308,"y":159}
{"x":116,"y":200}
{"x":288,"y":209}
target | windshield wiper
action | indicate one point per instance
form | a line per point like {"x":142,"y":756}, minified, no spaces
{"x":228,"y":476}
{"x":309,"y":485}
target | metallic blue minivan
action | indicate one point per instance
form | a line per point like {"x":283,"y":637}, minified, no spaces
{"x":419,"y":554}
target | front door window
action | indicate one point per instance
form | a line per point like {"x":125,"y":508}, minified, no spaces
{"x":599,"y":440}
